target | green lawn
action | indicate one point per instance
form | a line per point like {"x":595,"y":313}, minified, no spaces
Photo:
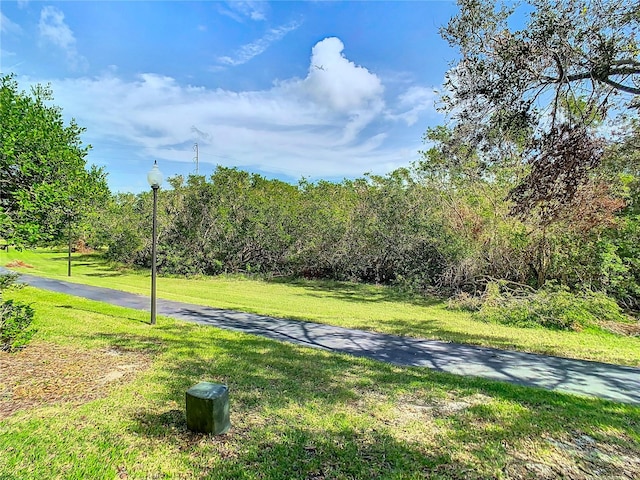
{"x":297,"y":413}
{"x":367,"y":307}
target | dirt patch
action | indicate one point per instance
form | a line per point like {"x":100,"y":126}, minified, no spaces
{"x":577,"y":456}
{"x":440,"y":407}
{"x":45,"y":373}
{"x":18,"y":264}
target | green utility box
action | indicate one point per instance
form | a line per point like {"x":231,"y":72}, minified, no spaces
{"x":208,"y":408}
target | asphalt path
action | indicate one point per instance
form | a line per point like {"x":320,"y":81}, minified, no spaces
{"x":611,"y":382}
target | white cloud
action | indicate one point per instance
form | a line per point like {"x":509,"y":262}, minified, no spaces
{"x":330,"y":123}
{"x":253,"y":49}
{"x":340,"y":83}
{"x":340,"y":86}
{"x":253,"y":10}
{"x":239,"y":10}
{"x":413,"y":102}
{"x":9,"y":27}
{"x":53,"y":29}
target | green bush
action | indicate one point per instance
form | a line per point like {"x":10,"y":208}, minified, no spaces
{"x":15,"y":319}
{"x":553,"y":307}
{"x":124,"y":246}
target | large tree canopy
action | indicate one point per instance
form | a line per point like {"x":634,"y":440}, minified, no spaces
{"x":44,"y":181}
{"x":542,"y":87}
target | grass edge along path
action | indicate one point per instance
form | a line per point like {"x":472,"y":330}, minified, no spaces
{"x":296,"y":412}
{"x":364,"y":307}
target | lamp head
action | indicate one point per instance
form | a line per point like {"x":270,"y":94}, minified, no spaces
{"x":154,"y":177}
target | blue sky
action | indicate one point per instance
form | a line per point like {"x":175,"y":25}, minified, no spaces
{"x":285,"y":89}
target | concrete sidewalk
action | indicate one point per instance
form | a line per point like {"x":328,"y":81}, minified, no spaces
{"x":612,"y":382}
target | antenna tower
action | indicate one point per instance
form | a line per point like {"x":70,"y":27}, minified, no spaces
{"x":196,"y":159}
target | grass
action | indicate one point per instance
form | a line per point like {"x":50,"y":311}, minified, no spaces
{"x":296,"y":413}
{"x":367,"y":307}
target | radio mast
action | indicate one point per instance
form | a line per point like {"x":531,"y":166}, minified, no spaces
{"x":196,"y":159}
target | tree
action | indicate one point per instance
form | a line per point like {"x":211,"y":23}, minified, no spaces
{"x":43,"y":177}
{"x":544,"y":88}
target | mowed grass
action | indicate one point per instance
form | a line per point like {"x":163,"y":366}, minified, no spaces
{"x":367,"y":307}
{"x":296,"y":413}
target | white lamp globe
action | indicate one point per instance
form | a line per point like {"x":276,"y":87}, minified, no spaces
{"x":154,"y":177}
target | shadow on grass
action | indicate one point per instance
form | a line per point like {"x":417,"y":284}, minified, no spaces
{"x":357,"y":292}
{"x":95,"y":261}
{"x":75,"y":307}
{"x":317,"y":413}
{"x":293,"y":452}
{"x":87,"y":258}
{"x":109,"y":273}
{"x":158,"y":424}
{"x":306,"y":413}
{"x":344,"y":452}
{"x":133,"y":343}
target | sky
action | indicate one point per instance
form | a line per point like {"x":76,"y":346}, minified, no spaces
{"x":320,"y":90}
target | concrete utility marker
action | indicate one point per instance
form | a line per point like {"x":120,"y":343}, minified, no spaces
{"x":611,"y":382}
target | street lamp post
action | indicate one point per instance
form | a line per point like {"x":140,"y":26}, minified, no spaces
{"x":154,"y":177}
{"x":69,"y":253}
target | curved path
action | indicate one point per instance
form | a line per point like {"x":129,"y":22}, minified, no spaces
{"x":612,"y":382}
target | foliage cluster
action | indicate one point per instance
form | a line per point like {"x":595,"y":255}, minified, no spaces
{"x":539,"y":77}
{"x":44,"y":183}
{"x":588,"y":242}
{"x":552,"y":307}
{"x":378,"y":229}
{"x":15,"y":319}
{"x":533,"y":85}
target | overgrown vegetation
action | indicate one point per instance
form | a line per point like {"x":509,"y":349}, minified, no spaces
{"x":15,"y":318}
{"x":440,"y":227}
{"x":552,"y":306}
{"x":533,"y":81}
{"x":526,"y":100}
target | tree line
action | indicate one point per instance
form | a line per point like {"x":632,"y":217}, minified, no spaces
{"x":436,"y":227}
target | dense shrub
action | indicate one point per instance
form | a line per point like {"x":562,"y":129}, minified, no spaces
{"x":15,"y":319}
{"x":429,"y":231}
{"x":553,"y":307}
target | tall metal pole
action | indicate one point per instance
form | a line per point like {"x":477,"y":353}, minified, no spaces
{"x":153,"y":255}
{"x":196,"y":159}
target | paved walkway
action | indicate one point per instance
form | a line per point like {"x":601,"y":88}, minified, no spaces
{"x":612,"y":382}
